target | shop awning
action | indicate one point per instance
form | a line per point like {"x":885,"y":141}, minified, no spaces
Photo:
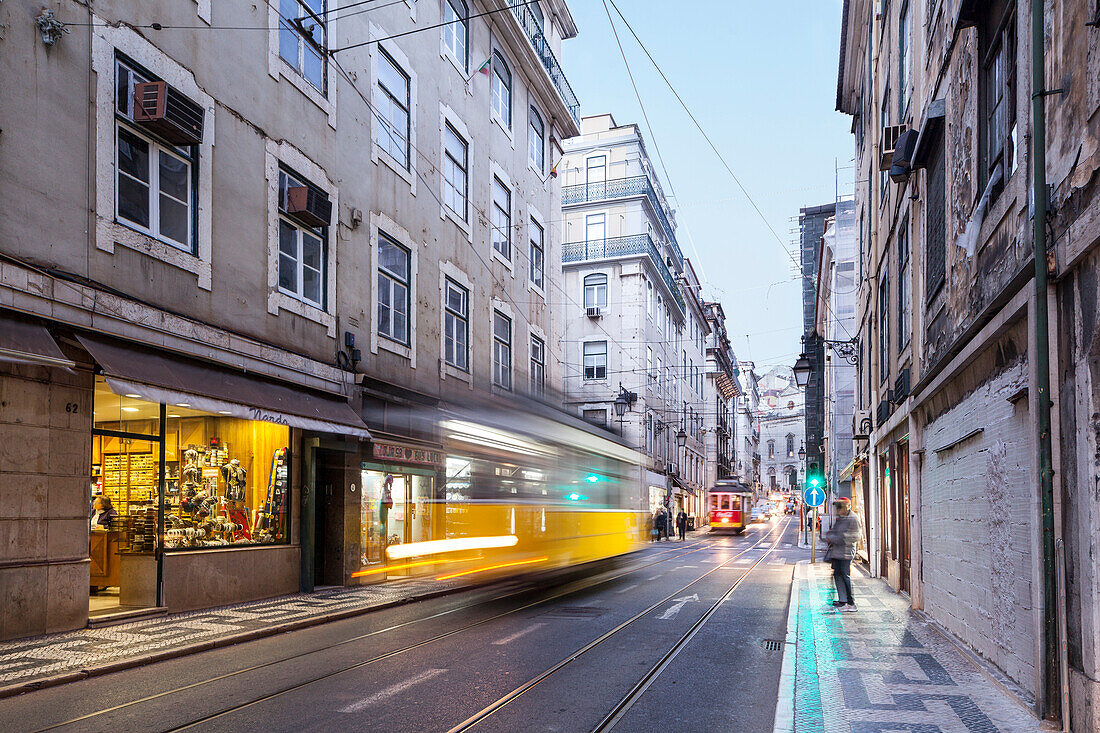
{"x":23,"y":342}
{"x":176,"y":380}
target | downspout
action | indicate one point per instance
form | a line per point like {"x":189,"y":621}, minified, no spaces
{"x":1050,"y":702}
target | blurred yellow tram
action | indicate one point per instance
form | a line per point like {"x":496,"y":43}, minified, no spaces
{"x":521,"y":492}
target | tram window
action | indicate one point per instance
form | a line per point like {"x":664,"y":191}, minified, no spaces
{"x":725,"y":501}
{"x":714,"y":501}
{"x":735,"y":502}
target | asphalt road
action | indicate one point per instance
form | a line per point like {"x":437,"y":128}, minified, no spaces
{"x":671,"y":640}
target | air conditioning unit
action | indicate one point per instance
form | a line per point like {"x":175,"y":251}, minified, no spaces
{"x":168,"y":113}
{"x":890,"y":135}
{"x":901,"y":387}
{"x":862,"y":424}
{"x":594,"y":311}
{"x":883,"y":412}
{"x":309,"y":206}
{"x":672,"y":470}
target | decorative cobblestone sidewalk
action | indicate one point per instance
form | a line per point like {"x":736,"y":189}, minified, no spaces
{"x":882,"y":669}
{"x":55,"y":658}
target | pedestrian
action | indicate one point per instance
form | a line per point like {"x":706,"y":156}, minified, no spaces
{"x":658,"y":523}
{"x":102,"y":513}
{"x":842,"y":538}
{"x":682,"y":523}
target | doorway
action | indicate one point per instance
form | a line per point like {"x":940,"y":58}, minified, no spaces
{"x":328,"y":519}
{"x":901,"y":488}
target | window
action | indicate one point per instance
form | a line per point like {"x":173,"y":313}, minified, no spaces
{"x":536,"y":140}
{"x":935,"y":256}
{"x":536,"y":11}
{"x":790,"y":445}
{"x":884,"y":325}
{"x":903,"y":60}
{"x":595,"y":291}
{"x":393,"y":290}
{"x":649,"y":363}
{"x":302,"y":256}
{"x":392,"y":103}
{"x":660,"y":376}
{"x":595,"y":360}
{"x":502,"y":218}
{"x":304,"y":53}
{"x":456,"y":325}
{"x":596,"y":169}
{"x":154,"y":181}
{"x":771,"y":449}
{"x":997,"y":99}
{"x":648,"y":299}
{"x":536,"y":234}
{"x":660,"y":314}
{"x":455,"y":166}
{"x":903,"y":284}
{"x":596,"y":417}
{"x":456,"y":31}
{"x":595,"y":227}
{"x":501,"y":92}
{"x":883,"y":176}
{"x":502,"y":350}
{"x":538,"y":365}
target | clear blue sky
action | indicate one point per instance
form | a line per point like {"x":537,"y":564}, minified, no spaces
{"x":761,"y":80}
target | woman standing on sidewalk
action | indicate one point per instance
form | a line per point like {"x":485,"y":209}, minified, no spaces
{"x":842,"y":538}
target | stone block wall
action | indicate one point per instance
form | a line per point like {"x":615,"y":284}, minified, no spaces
{"x":45,"y":469}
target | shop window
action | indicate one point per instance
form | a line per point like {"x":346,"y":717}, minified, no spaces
{"x":396,"y":507}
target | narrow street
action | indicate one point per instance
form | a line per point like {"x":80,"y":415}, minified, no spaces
{"x":611,"y":652}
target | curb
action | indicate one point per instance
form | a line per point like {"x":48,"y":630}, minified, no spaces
{"x":42,"y":683}
{"x":784,"y":713}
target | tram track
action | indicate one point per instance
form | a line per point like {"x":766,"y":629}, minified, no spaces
{"x":620,"y":709}
{"x":572,"y":588}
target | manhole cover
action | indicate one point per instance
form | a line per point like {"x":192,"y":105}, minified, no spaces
{"x":772,"y":645}
{"x":575,"y":612}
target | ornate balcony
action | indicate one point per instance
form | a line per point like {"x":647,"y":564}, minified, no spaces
{"x":531,"y":27}
{"x":617,"y":188}
{"x":615,"y":247}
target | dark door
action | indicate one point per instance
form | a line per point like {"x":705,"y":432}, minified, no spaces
{"x":901,"y":487}
{"x":328,"y":542}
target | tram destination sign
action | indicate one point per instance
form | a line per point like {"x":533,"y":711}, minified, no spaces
{"x":407,"y":454}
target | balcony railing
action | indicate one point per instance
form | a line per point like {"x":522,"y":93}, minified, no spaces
{"x":534,"y":31}
{"x":613,"y":247}
{"x":623,"y":188}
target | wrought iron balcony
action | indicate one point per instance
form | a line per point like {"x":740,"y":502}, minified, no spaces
{"x":623,"y":188}
{"x":534,"y":31}
{"x":614,"y":247}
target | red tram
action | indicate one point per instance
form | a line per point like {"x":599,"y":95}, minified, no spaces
{"x":730,"y":503}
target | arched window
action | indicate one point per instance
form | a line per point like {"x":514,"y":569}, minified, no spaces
{"x":536,"y":139}
{"x":502,"y":90}
{"x":792,"y":477}
{"x":771,"y":451}
{"x":595,"y":290}
{"x":790,"y":445}
{"x":456,"y":30}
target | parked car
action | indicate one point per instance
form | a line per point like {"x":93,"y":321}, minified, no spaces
{"x":759,"y":513}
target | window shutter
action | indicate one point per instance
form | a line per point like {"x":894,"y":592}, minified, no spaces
{"x":935,"y":255}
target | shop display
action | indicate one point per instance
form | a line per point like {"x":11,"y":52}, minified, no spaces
{"x":269,"y":520}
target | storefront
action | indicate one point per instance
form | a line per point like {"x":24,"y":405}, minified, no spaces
{"x":196,"y":475}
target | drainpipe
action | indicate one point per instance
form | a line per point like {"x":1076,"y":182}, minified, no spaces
{"x":1051,"y":698}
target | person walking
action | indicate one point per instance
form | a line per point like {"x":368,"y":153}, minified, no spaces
{"x":658,"y":523}
{"x":842,"y":538}
{"x":681,"y":524}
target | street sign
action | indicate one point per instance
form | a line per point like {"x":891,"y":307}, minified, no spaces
{"x":813,"y":496}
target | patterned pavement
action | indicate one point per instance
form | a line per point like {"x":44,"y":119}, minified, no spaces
{"x":36,"y":658}
{"x":884,"y":669}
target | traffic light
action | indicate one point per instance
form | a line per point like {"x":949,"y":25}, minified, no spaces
{"x":814,"y":476}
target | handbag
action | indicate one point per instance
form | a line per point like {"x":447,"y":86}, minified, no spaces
{"x":654,"y":532}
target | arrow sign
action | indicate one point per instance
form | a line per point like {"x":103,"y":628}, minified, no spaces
{"x":675,"y":607}
{"x":813,"y":496}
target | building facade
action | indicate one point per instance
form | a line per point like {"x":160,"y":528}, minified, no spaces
{"x":279,"y":248}
{"x":746,"y":446}
{"x":721,"y":391}
{"x":811,"y":228}
{"x":943,"y":98}
{"x":782,"y":431}
{"x":633,"y":320}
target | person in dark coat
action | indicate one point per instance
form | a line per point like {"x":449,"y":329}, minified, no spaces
{"x":842,"y":538}
{"x":681,"y":524}
{"x":659,"y":526}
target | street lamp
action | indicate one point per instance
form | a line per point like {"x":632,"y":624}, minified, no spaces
{"x":802,"y":369}
{"x":621,"y":405}
{"x":802,"y":453}
{"x":681,"y":438}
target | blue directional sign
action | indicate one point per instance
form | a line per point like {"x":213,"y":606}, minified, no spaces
{"x":813,"y":496}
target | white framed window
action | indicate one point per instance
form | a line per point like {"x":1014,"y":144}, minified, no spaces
{"x":595,"y":290}
{"x":456,"y":325}
{"x":538,"y":365}
{"x":660,"y":314}
{"x":595,"y":227}
{"x":302,"y":251}
{"x":304,"y":53}
{"x":660,"y":376}
{"x":595,"y":360}
{"x":455,"y":172}
{"x":502,"y":350}
{"x":393,"y":100}
{"x":501,"y":90}
{"x":648,"y":298}
{"x":394,"y":266}
{"x":456,"y":31}
{"x":596,"y":169}
{"x":154,"y":181}
{"x":502,"y":218}
{"x":538,"y":252}
{"x":649,"y":363}
{"x":536,"y":140}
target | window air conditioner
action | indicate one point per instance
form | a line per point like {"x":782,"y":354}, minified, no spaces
{"x":671,"y":470}
{"x":594,"y":311}
{"x":309,"y":206}
{"x":167,"y":112}
{"x":889,"y":141}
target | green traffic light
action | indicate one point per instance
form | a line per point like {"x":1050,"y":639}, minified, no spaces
{"x":814,"y":482}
